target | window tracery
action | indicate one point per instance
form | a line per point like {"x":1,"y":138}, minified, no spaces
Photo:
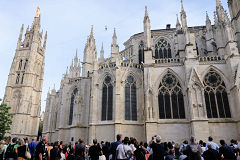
{"x":170,"y":98}
{"x":130,"y":99}
{"x":73,"y":96}
{"x":141,"y":52}
{"x":216,"y":97}
{"x":163,"y":49}
{"x":107,"y":99}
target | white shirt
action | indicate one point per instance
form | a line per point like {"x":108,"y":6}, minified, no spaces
{"x":214,"y":145}
{"x":122,"y":149}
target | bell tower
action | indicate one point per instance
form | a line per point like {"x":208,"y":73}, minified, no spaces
{"x":24,"y":86}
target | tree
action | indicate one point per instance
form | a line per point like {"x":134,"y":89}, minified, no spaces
{"x":5,"y":119}
{"x":40,"y":128}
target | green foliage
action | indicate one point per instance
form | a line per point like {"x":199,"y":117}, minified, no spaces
{"x":5,"y":119}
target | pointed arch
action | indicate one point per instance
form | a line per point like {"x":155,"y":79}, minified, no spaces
{"x":130,"y":98}
{"x":107,"y":98}
{"x":73,"y":95}
{"x":223,"y":75}
{"x":216,"y":97}
{"x":163,"y":48}
{"x":170,"y":97}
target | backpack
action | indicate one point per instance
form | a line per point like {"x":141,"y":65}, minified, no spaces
{"x":10,"y":152}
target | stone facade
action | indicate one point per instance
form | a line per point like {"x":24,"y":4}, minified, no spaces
{"x":24,"y":86}
{"x":174,"y":82}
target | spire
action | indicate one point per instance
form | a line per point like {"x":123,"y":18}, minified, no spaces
{"x":102,"y":53}
{"x":178,"y":25}
{"x":146,"y":17}
{"x":67,"y":71}
{"x":91,"y":34}
{"x":220,"y":11}
{"x":76,"y":58}
{"x":147,"y":30}
{"x":21,"y":33}
{"x":208,"y":21}
{"x":182,"y":8}
{"x":114,"y":38}
{"x":38,"y":12}
{"x":114,"y":46}
{"x":183,"y":17}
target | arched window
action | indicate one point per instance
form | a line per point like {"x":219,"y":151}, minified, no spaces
{"x":170,"y":98}
{"x":71,"y":106}
{"x":20,"y":64}
{"x":130,"y":99}
{"x":141,"y":52}
{"x":107,"y":99}
{"x":163,"y":49}
{"x":216,"y":97}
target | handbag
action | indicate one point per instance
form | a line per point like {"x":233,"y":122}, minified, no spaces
{"x":27,"y":153}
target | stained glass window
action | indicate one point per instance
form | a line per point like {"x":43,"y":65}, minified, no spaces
{"x":216,"y":97}
{"x":170,"y":98}
{"x":130,"y":99}
{"x":107,"y":99}
{"x":163,"y":49}
{"x":141,"y":52}
{"x":74,"y":93}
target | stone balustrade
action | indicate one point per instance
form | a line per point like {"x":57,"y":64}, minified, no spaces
{"x":217,"y":58}
{"x":135,"y":65}
{"x":169,"y":60}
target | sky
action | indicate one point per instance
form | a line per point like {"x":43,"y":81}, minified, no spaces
{"x":68,"y":23}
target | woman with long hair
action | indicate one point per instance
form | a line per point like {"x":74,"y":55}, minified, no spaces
{"x":22,"y":147}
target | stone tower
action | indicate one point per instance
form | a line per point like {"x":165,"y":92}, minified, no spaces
{"x":24,"y":86}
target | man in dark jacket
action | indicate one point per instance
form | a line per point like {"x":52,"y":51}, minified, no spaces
{"x":158,"y":148}
{"x":80,"y":150}
{"x":226,"y":151}
{"x":41,"y":149}
{"x":211,"y":154}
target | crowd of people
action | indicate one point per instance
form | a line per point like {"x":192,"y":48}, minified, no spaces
{"x":123,"y":149}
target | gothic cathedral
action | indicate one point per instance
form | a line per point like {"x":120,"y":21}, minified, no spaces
{"x":24,"y":85}
{"x":173,"y":82}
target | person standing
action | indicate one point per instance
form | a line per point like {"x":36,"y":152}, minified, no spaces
{"x":194,"y":150}
{"x":157,"y":148}
{"x":114,"y":146}
{"x":41,"y":149}
{"x":226,"y":151}
{"x":80,"y":150}
{"x":214,"y":145}
{"x":22,"y":148}
{"x":2,"y":143}
{"x":11,"y":152}
{"x":32,"y":147}
{"x":211,"y":154}
{"x":95,"y":150}
{"x":54,"y":152}
{"x":123,"y":151}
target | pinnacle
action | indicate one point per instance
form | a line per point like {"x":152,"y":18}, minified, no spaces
{"x":91,"y":34}
{"x":146,"y":11}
